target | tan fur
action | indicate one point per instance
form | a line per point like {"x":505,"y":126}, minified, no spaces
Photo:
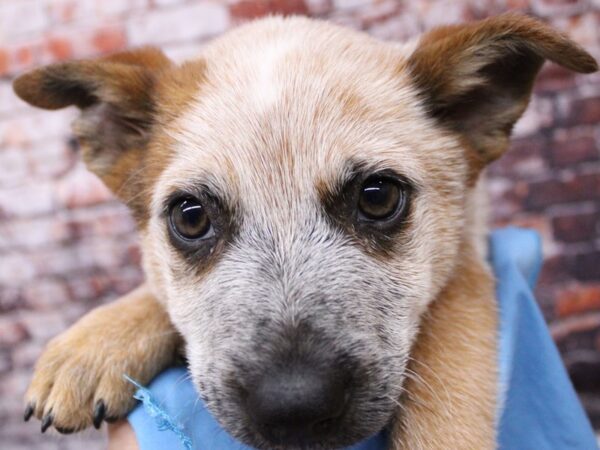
{"x":411,"y":94}
{"x":451,"y":392}
{"x":86,"y":363}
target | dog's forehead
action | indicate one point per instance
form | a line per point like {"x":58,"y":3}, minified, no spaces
{"x":291,"y":103}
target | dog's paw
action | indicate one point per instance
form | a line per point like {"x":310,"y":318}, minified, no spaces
{"x":79,"y":379}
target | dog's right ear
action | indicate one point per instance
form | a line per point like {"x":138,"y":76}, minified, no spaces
{"x":116,"y":97}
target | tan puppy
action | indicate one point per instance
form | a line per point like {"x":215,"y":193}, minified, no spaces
{"x":307,"y":201}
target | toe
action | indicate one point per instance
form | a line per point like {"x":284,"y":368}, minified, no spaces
{"x":47,"y":421}
{"x":29,"y":409}
{"x":99,"y":413}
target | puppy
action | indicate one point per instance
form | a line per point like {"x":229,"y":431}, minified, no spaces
{"x":307,"y":200}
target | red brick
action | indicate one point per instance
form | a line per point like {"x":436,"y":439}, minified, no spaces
{"x":573,"y":146}
{"x":584,"y":265}
{"x":570,"y":188}
{"x":24,"y":56}
{"x":63,"y":11}
{"x":525,"y":157}
{"x":253,"y":9}
{"x":508,"y":197}
{"x":522,"y":5}
{"x":577,"y":227}
{"x":554,"y":78}
{"x":107,"y":40}
{"x":573,"y":325}
{"x":554,"y":271}
{"x":577,"y":300}
{"x":584,"y":111}
{"x":60,"y":48}
{"x":318,"y":7}
{"x":3,"y":61}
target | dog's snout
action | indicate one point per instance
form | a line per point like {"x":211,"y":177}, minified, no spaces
{"x":298,"y":404}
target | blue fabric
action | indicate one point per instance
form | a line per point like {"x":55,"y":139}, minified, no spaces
{"x":171,"y":405}
{"x":538,"y":407}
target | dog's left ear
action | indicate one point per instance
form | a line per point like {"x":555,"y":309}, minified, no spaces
{"x":477,"y":78}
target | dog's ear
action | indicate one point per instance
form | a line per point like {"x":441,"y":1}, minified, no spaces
{"x":115,"y":96}
{"x":477,"y":78}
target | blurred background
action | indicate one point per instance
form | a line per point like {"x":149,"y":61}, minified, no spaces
{"x":67,"y":246}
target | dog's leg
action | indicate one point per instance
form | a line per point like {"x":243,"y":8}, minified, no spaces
{"x":78,"y":380}
{"x":452,"y":386}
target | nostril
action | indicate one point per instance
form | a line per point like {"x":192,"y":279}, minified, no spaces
{"x":323,"y":426}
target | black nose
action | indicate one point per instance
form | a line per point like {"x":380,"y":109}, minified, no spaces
{"x":295,"y":405}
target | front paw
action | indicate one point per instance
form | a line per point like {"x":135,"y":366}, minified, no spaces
{"x":78,"y":382}
{"x":79,"y":379}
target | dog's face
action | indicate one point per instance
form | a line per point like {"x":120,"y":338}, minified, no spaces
{"x":309,"y":213}
{"x":301,"y":192}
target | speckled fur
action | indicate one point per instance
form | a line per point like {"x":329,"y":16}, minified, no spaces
{"x":272,"y":116}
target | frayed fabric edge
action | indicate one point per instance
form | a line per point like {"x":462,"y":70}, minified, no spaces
{"x":163,"y":420}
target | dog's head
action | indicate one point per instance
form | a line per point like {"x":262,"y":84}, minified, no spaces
{"x":301,"y":191}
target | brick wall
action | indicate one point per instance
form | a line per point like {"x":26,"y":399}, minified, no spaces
{"x":67,"y":246}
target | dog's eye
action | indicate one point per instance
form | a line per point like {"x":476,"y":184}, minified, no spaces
{"x":380,"y":198}
{"x":188,"y":218}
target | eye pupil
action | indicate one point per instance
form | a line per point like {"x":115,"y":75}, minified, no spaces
{"x":189,"y":219}
{"x":379,"y":198}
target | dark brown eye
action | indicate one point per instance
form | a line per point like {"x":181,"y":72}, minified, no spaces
{"x":380,"y":198}
{"x":188,"y":218}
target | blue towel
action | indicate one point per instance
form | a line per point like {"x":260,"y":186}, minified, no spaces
{"x":538,"y":406}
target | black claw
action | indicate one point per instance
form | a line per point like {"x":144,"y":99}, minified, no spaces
{"x":64,"y":430}
{"x":47,"y":421}
{"x":28,"y":412}
{"x":99,"y":413}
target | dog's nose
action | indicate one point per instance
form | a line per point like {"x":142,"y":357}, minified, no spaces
{"x":297,"y":404}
